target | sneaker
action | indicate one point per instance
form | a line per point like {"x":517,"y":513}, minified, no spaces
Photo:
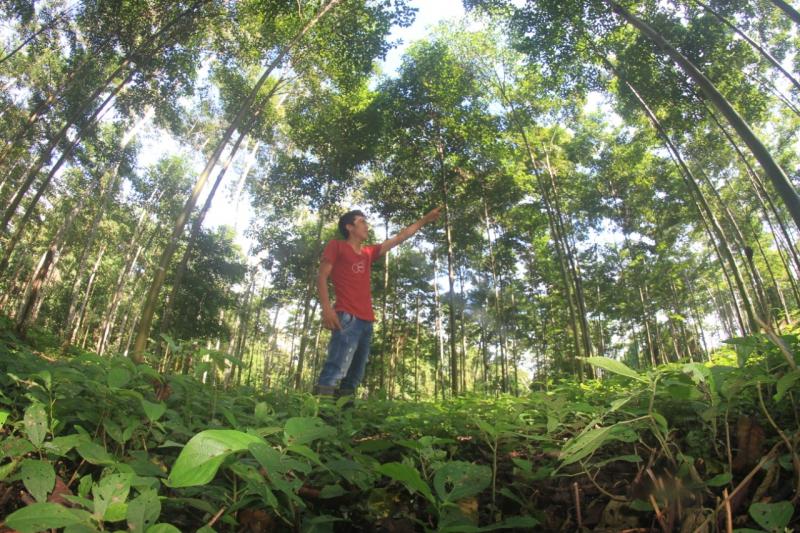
{"x":325,"y":391}
{"x":346,"y":393}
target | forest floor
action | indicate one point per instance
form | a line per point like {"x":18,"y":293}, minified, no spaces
{"x":102,"y":444}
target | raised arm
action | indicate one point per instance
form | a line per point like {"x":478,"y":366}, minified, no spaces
{"x":330,"y":320}
{"x":407,"y":232}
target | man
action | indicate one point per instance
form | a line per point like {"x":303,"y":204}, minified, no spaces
{"x":348,"y":263}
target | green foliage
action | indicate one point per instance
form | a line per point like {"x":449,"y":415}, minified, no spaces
{"x":451,"y":459}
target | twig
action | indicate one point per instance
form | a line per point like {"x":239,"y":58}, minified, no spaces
{"x":216,"y":517}
{"x":659,"y":515}
{"x":576,"y":492}
{"x":740,"y":486}
{"x":728,"y":513}
{"x":728,"y":442}
{"x":601,"y":489}
{"x":786,"y":441}
{"x":75,"y":473}
{"x":778,"y":341}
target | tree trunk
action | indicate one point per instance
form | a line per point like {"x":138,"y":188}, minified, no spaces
{"x":764,"y":199}
{"x":197,"y":224}
{"x":702,"y":205}
{"x":148,"y":309}
{"x":309,"y":312}
{"x":439,"y":373}
{"x":776,"y":174}
{"x":108,"y":190}
{"x":384,"y":298}
{"x":498,"y":306}
{"x":788,"y":10}
{"x":451,"y":296}
{"x":416,"y":349}
{"x":84,"y":308}
{"x":26,"y":314}
{"x":574,"y":269}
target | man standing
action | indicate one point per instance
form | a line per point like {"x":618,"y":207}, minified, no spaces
{"x":348,"y":263}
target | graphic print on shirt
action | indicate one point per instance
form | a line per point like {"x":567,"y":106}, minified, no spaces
{"x":359,"y":268}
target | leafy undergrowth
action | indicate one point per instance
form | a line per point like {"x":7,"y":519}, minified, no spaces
{"x":102,"y":444}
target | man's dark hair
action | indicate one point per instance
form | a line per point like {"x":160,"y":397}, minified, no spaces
{"x":349,"y":218}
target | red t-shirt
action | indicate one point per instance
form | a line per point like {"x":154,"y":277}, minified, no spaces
{"x":351,"y":277}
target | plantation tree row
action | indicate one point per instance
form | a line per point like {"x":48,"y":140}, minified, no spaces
{"x":617,"y":179}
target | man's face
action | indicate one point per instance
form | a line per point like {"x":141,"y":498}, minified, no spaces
{"x":359,"y":228}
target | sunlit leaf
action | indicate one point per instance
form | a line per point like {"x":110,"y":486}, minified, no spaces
{"x":202,"y":456}
{"x":786,"y":382}
{"x":616,"y":367}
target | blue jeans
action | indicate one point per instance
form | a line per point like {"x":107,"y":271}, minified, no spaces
{"x":348,"y":352}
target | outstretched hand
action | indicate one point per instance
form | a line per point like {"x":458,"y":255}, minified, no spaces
{"x":330,"y":320}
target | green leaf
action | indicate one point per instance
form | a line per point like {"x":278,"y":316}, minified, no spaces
{"x":773,"y":517}
{"x":407,"y":476}
{"x":269,"y":458}
{"x":110,"y":495}
{"x":85,"y":486}
{"x":41,"y":516}
{"x":786,"y":382}
{"x":39,"y":478}
{"x":661,"y":421}
{"x":118,"y":377}
{"x":263,"y":412}
{"x":3,"y":417}
{"x":744,"y":346}
{"x":720,"y":480}
{"x":486,"y":427}
{"x":163,"y":528}
{"x":332,"y":491}
{"x":304,"y":451}
{"x":35,"y":421}
{"x":143,"y":511}
{"x":202,"y":456}
{"x":585,"y":444}
{"x":153,"y":410}
{"x":95,"y":454}
{"x":616,"y":367}
{"x":303,"y":430}
{"x":62,"y":445}
{"x":466,"y":479}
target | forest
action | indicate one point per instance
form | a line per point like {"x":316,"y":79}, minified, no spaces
{"x":600,"y":333}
